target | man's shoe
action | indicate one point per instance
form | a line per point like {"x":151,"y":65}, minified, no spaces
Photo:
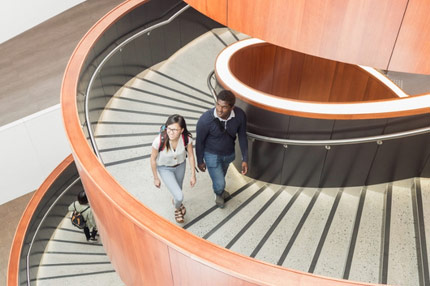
{"x":219,"y":201}
{"x":225,"y":195}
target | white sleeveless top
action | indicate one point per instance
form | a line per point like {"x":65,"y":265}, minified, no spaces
{"x":171,"y":157}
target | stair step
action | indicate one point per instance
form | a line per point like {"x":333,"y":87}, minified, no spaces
{"x":402,"y":265}
{"x":249,"y":241}
{"x":334,"y":252}
{"x":278,"y":240}
{"x":100,"y":278}
{"x":366,"y":261}
{"x":69,"y":259}
{"x":305,"y":244}
{"x":212,"y":219}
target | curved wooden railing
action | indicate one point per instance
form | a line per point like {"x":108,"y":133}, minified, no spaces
{"x":16,"y":255}
{"x":379,"y":139}
{"x":385,"y":34}
{"x":289,"y":96}
{"x":144,"y":248}
{"x":289,"y":74}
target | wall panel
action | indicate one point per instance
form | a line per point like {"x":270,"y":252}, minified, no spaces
{"x":317,"y":77}
{"x":412,"y":49}
{"x":256,"y":66}
{"x":350,"y":31}
{"x":356,"y":159}
{"x":349,"y":80}
{"x":191,"y":272}
{"x":291,"y":67}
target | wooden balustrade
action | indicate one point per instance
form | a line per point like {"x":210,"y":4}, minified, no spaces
{"x":289,"y":74}
{"x":18,"y":241}
{"x":292,"y":83}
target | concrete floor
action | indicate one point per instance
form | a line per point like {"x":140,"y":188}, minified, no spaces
{"x":32,"y":64}
{"x":10,"y":214}
{"x":31,"y":69}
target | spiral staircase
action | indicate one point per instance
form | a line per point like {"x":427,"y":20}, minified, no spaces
{"x":370,"y":233}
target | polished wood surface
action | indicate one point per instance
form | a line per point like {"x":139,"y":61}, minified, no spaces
{"x":289,"y":74}
{"x":383,"y":34}
{"x":18,"y":241}
{"x":351,"y":31}
{"x":412,"y":50}
{"x":144,"y":248}
{"x":215,"y":9}
{"x":315,"y":114}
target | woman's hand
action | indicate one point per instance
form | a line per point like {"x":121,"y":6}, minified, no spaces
{"x":157,"y":182}
{"x":193,"y":180}
{"x":154,"y":155}
{"x":244,"y":168}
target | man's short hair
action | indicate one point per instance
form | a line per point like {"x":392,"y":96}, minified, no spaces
{"x":227,"y":96}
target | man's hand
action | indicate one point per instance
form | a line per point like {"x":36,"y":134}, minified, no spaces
{"x":202,"y":167}
{"x":244,"y":168}
{"x":157,"y":182}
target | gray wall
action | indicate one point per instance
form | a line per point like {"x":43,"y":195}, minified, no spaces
{"x":347,"y":165}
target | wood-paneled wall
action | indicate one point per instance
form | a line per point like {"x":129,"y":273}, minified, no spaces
{"x":289,"y":74}
{"x":146,"y":249}
{"x":412,"y":50}
{"x":383,"y":34}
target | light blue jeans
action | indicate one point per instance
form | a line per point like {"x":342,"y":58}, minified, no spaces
{"x":173,"y":177}
{"x":217,"y":166}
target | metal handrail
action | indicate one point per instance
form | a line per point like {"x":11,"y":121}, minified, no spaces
{"x":105,"y":59}
{"x":330,"y":142}
{"x":40,"y":224}
{"x":211,"y":88}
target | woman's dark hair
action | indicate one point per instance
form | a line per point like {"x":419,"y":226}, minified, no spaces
{"x":82,"y":198}
{"x":176,"y":118}
{"x":227,"y":96}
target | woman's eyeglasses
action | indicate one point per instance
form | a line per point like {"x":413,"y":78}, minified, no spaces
{"x":173,"y":130}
